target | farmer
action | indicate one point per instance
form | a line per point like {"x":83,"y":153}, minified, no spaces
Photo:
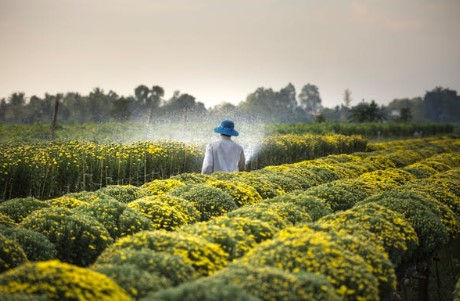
{"x":224,"y":154}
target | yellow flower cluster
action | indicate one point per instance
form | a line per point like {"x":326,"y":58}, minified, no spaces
{"x":61,"y":281}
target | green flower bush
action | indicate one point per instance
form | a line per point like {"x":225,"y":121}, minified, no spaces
{"x":374,"y":162}
{"x":254,"y":229}
{"x":319,"y":253}
{"x":17,"y":209}
{"x":420,"y":170}
{"x":305,"y":203}
{"x":288,"y":182}
{"x":6,"y":220}
{"x":56,"y":280}
{"x":209,"y":201}
{"x":309,"y":179}
{"x":21,"y":297}
{"x":124,"y":193}
{"x":339,"y":195}
{"x":11,"y":254}
{"x":233,"y":241}
{"x":421,"y":213}
{"x":270,"y":283}
{"x":191,"y":178}
{"x":202,"y":290}
{"x":35,"y":245}
{"x":427,"y":188}
{"x":160,"y":187}
{"x":436,"y":165}
{"x":387,"y":179}
{"x":324,"y":172}
{"x":260,"y":212}
{"x":189,"y":212}
{"x":452,"y":159}
{"x":78,"y":238}
{"x":394,"y":232}
{"x":117,"y":217}
{"x":242,"y":193}
{"x":402,"y":158}
{"x":359,"y":243}
{"x":172,"y":267}
{"x":136,"y":282}
{"x":204,"y":256}
{"x":161,"y":216}
{"x":264,"y":187}
{"x":450,"y":184}
{"x":89,"y":196}
{"x":65,"y":202}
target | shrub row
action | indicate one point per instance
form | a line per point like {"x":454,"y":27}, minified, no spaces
{"x":169,"y":238}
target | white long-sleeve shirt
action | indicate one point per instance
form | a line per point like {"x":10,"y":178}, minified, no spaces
{"x":223,"y":155}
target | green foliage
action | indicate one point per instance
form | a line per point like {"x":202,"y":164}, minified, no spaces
{"x":233,"y":241}
{"x":56,"y":280}
{"x":254,"y":228}
{"x":118,"y":218}
{"x":191,"y":178}
{"x":48,"y":170}
{"x":89,"y":196}
{"x":440,"y":193}
{"x":367,"y":129}
{"x":395,"y":233}
{"x":190,"y":213}
{"x":288,"y":182}
{"x":160,"y":215}
{"x":202,"y":290}
{"x":11,"y":254}
{"x":124,"y":193}
{"x":260,"y":212}
{"x":420,"y":170}
{"x":370,"y":250}
{"x":6,"y":220}
{"x":243,"y":194}
{"x":65,"y":202}
{"x":21,"y":297}
{"x":78,"y":238}
{"x":270,"y":283}
{"x":35,"y":245}
{"x":204,"y":256}
{"x":161,"y":187}
{"x":136,"y":282}
{"x":17,"y":209}
{"x":421,"y":213}
{"x":264,"y":187}
{"x":338,"y":195}
{"x":319,"y":253}
{"x":209,"y":201}
{"x":303,"y":202}
{"x":172,"y":267}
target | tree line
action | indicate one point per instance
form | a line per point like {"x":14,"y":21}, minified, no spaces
{"x":265,"y":104}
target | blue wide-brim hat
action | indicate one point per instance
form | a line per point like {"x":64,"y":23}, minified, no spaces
{"x":227,"y":127}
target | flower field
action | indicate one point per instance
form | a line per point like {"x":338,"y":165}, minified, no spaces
{"x":358,"y":226}
{"x":46,"y":170}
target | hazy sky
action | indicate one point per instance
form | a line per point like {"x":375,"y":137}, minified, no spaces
{"x":220,"y":50}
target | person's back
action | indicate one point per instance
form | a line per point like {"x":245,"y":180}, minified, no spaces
{"x":224,"y":154}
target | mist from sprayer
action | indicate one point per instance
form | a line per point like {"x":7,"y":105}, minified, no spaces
{"x":197,"y":132}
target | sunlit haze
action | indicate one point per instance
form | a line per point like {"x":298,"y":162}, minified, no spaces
{"x":220,"y":51}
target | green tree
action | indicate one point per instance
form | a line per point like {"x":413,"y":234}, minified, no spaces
{"x":156,"y":93}
{"x":441,"y":105}
{"x":365,"y":112}
{"x":309,"y":99}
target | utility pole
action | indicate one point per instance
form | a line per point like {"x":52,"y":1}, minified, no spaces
{"x":55,"y":112}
